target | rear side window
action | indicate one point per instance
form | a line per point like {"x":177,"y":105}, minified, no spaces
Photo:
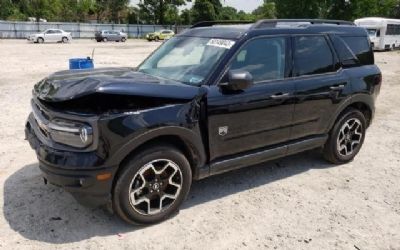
{"x":393,"y":29}
{"x":312,"y":55}
{"x":361,"y":48}
{"x":346,"y":56}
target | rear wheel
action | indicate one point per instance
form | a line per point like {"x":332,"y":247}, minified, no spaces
{"x":156,"y":39}
{"x":123,"y":39}
{"x":346,"y":137}
{"x":152,"y":185}
{"x":105,"y":39}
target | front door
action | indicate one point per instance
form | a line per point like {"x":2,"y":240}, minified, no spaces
{"x":49,"y":36}
{"x":261,"y":115}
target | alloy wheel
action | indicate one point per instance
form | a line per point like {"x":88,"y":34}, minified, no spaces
{"x":155,"y":187}
{"x":349,"y":137}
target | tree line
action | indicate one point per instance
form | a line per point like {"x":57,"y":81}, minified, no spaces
{"x":169,"y":11}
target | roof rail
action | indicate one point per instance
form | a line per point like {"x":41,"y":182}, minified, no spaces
{"x":211,"y":23}
{"x":272,"y":22}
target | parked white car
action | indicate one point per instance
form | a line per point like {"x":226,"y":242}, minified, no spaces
{"x":51,"y":35}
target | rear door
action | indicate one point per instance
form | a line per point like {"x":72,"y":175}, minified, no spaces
{"x":57,"y":35}
{"x":49,"y":36}
{"x":320,"y":85}
{"x":261,"y":115}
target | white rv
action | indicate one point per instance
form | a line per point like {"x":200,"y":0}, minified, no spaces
{"x":384,"y":33}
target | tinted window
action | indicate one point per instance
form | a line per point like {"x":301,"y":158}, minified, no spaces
{"x":312,"y":55}
{"x":263,"y":58}
{"x":346,"y":56}
{"x":393,"y":29}
{"x":361,"y":48}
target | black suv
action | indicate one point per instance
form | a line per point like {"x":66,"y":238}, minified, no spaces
{"x":217,"y":97}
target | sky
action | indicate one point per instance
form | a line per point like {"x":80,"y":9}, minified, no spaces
{"x":245,"y":5}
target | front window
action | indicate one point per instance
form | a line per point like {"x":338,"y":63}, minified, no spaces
{"x":186,"y":59}
{"x":263,"y":58}
{"x":371,"y":32}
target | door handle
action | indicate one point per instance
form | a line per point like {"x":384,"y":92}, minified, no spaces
{"x":280,"y":96}
{"x":337,"y":87}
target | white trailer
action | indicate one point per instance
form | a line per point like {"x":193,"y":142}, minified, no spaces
{"x":384,"y":33}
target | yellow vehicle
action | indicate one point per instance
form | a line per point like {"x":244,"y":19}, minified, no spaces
{"x":160,"y":35}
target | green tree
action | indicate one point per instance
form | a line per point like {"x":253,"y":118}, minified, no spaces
{"x":228,"y":13}
{"x":203,"y":10}
{"x":186,"y":17}
{"x":6,"y":9}
{"x":172,"y":15}
{"x":116,"y":8}
{"x":297,"y":9}
{"x":154,"y":11}
{"x":266,"y":10}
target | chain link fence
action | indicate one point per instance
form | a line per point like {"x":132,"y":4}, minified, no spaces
{"x":21,"y":30}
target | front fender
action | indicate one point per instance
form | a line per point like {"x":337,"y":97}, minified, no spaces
{"x":190,"y":138}
{"x":124,"y":134}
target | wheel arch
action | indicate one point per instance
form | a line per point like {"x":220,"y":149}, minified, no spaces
{"x":361,"y":102}
{"x":185,"y":140}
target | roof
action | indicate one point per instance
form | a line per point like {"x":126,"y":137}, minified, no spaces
{"x":376,"y":20}
{"x":236,"y":29}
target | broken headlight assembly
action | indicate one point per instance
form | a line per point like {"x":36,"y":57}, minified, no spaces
{"x":70,"y":133}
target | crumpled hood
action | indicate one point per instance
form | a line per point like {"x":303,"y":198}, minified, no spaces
{"x":71,"y":84}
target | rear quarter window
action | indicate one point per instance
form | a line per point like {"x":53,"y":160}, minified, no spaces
{"x":361,"y":47}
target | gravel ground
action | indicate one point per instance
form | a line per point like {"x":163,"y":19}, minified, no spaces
{"x":299,"y":202}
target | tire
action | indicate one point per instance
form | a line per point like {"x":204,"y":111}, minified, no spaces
{"x":346,"y":137}
{"x":105,"y":39}
{"x":64,"y":40}
{"x":123,"y":39}
{"x":174,"y":179}
{"x":40,"y":40}
{"x":156,"y":39}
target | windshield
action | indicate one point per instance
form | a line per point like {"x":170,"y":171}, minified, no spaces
{"x":186,"y":59}
{"x":371,"y":32}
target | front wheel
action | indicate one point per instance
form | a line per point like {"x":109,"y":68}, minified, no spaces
{"x":152,"y":185}
{"x":40,"y":40}
{"x":346,"y":137}
{"x":123,"y":39}
{"x":65,"y":40}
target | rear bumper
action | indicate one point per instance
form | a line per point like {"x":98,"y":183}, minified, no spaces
{"x":75,"y":172}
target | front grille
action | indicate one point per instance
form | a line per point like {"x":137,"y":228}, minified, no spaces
{"x":41,"y":118}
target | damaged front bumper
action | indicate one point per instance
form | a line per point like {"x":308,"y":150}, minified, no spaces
{"x":77,"y":172}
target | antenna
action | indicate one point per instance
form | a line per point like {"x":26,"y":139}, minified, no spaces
{"x":93,"y":53}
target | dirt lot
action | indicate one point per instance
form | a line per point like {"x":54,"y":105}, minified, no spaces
{"x":299,"y":202}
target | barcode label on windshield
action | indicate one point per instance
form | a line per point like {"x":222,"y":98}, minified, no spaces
{"x":223,"y":43}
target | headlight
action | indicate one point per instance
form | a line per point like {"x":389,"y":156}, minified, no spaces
{"x":71,"y":133}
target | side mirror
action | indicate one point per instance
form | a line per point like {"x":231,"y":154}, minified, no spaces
{"x":238,"y":80}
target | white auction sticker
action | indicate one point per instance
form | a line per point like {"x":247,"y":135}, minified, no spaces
{"x":223,"y":43}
